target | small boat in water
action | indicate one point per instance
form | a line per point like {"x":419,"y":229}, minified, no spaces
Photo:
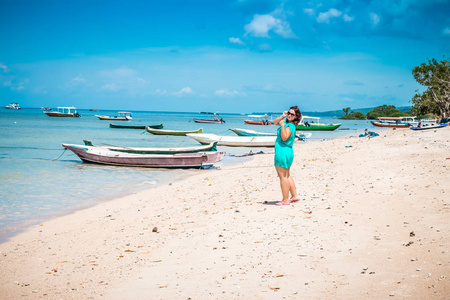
{"x":158,"y":126}
{"x":65,"y":112}
{"x":313,"y":124}
{"x":248,"y":132}
{"x":148,"y":150}
{"x":180,"y":160}
{"x":14,"y":105}
{"x":259,"y":120}
{"x":234,"y":141}
{"x":171,"y":132}
{"x":215,"y":120}
{"x":395,"y":122}
{"x":121,"y":116}
{"x":46,"y":108}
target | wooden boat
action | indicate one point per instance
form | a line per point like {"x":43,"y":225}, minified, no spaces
{"x":65,"y":112}
{"x":146,"y":150}
{"x":259,"y":120}
{"x":312,"y":124}
{"x":180,"y":160}
{"x":46,"y":108}
{"x":215,"y":120}
{"x":234,"y":141}
{"x":14,"y":105}
{"x":158,"y":126}
{"x":121,"y":116}
{"x":394,"y":122}
{"x":171,"y":132}
{"x":248,"y":132}
{"x":425,"y":126}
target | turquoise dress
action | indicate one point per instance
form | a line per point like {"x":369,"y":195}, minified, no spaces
{"x":284,"y":154}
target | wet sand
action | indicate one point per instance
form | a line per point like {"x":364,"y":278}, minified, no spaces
{"x":372,"y":222}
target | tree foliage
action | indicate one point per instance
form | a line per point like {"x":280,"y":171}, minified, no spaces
{"x":346,"y":110}
{"x":354,"y":115}
{"x":435,"y":76}
{"x":384,"y":111}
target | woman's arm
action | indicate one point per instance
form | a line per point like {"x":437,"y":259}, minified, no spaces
{"x":285,"y":132}
{"x":278,"y":119}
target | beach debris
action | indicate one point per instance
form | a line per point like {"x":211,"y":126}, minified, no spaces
{"x":392,"y":294}
{"x":155,"y":229}
{"x":377,"y":238}
{"x":408,"y":244}
{"x":163,"y":286}
{"x":280,"y":275}
{"x":411,"y":234}
{"x":414,"y":259}
{"x":274,"y":288}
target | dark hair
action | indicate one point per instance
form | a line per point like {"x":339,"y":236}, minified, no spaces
{"x":298,"y":115}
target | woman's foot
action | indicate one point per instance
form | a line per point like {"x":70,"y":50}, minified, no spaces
{"x":294,"y":199}
{"x":282,"y":203}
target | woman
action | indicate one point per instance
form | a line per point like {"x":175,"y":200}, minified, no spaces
{"x":284,"y":154}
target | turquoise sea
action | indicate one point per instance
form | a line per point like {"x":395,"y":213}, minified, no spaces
{"x":39,"y":180}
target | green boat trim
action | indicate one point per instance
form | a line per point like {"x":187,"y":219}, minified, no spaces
{"x":171,"y":132}
{"x":317,"y":127}
{"x":159,"y":126}
{"x":211,"y":147}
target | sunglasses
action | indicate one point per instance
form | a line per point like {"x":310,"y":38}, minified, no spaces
{"x":289,"y":113}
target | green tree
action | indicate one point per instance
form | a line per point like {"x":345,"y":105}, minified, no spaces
{"x":435,"y":76}
{"x":384,"y":111}
{"x":346,"y":110}
{"x":354,"y":115}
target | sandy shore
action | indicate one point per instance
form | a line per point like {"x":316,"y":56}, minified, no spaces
{"x":373,"y":222}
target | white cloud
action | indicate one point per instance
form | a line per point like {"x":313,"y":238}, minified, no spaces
{"x":262,"y":24}
{"x":160,"y":92}
{"x":74,"y":82}
{"x":347,"y":18}
{"x":446,"y":31}
{"x":375,"y":19}
{"x":308,"y":11}
{"x":4,"y":68}
{"x":227,"y":93}
{"x":324,"y":17}
{"x":264,"y":47}
{"x":110,"y":87}
{"x":236,"y":41}
{"x":185,"y":91}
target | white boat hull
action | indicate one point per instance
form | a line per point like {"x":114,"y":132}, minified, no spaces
{"x":235,"y":141}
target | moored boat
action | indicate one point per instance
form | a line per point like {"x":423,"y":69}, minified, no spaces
{"x":13,"y":105}
{"x":46,"y":108}
{"x":215,"y":120}
{"x":180,"y":160}
{"x":259,"y":120}
{"x":121,"y":116}
{"x":248,"y":132}
{"x":148,"y":150}
{"x":171,"y":132}
{"x":313,"y":124}
{"x":234,"y":141}
{"x":65,"y":112}
{"x":158,"y":126}
{"x":395,"y":122}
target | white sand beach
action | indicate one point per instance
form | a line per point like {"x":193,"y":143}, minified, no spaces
{"x":372,"y":223}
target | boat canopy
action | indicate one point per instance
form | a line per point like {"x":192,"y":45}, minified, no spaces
{"x":311,"y":118}
{"x":124,"y":113}
{"x":69,"y":109}
{"x":396,"y":118}
{"x":257,"y":116}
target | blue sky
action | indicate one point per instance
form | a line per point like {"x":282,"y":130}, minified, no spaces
{"x":232,"y":56}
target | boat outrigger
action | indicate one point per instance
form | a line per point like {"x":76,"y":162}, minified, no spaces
{"x":171,"y":132}
{"x":157,"y":126}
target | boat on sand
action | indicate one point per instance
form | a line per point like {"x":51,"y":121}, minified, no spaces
{"x":92,"y":154}
{"x":394,"y":122}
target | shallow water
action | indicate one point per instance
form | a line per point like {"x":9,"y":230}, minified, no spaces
{"x":40,"y":180}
